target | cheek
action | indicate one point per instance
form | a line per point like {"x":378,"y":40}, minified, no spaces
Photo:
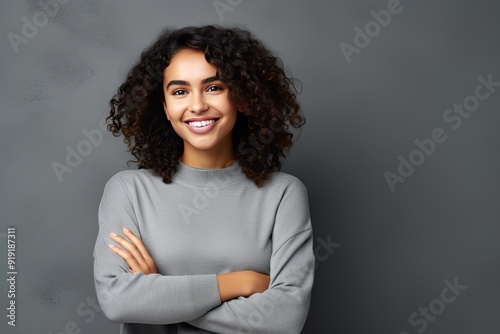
{"x":178,"y":129}
{"x":172,"y":111}
{"x":227,"y":108}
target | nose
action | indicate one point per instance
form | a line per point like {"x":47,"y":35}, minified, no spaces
{"x":197,"y":103}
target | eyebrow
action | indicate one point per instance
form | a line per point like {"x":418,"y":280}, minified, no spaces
{"x":185,"y":83}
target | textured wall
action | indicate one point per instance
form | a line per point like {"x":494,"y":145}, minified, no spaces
{"x":399,"y":153}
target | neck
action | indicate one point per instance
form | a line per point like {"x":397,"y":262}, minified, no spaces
{"x":221,"y":156}
{"x":213,"y":177}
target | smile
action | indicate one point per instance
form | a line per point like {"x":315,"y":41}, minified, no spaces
{"x":201,"y":126}
{"x":202,"y":123}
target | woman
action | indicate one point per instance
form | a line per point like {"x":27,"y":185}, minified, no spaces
{"x":207,"y":235}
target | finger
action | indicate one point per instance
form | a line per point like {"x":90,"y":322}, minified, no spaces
{"x":129,"y":258}
{"x":149,"y":266}
{"x":129,"y":246}
{"x":138,"y":243}
{"x":145,"y":262}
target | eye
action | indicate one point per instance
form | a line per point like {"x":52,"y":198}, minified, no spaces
{"x":214,"y":88}
{"x":179,"y":92}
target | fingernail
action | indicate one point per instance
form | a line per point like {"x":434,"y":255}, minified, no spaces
{"x":125,"y":229}
{"x":111,"y":246}
{"x":112,"y":234}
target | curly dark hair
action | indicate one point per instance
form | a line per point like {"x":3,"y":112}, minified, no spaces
{"x":264,"y":96}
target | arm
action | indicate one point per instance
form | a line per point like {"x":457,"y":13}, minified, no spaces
{"x":231,"y":285}
{"x":284,"y":306}
{"x":141,"y":298}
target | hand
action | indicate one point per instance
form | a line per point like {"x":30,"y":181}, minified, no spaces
{"x":258,"y":282}
{"x":241,"y":284}
{"x":134,"y":253}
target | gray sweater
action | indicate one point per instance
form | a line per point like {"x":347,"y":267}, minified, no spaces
{"x":207,"y":221}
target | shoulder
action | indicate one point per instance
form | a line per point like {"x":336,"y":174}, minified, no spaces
{"x":131,"y":175}
{"x":282,"y":179}
{"x":292,"y":213}
{"x":287,"y":186}
{"x":131,"y":179}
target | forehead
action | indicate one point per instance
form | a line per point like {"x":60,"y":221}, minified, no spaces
{"x":189,"y":64}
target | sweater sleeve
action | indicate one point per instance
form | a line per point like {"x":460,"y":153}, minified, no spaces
{"x":138,"y":298}
{"x":284,"y":306}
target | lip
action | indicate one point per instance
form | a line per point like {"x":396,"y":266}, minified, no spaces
{"x":202,"y":129}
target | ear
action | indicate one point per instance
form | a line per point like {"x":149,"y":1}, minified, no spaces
{"x":166,"y":110}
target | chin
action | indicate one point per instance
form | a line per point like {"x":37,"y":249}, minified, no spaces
{"x":202,"y":146}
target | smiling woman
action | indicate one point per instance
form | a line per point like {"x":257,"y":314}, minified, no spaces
{"x":214,"y":238}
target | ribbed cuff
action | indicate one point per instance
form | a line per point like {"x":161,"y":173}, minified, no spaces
{"x":204,"y":291}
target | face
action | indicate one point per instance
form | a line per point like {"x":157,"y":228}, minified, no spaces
{"x":197,"y":105}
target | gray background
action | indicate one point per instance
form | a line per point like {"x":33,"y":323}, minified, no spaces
{"x":393,"y":249}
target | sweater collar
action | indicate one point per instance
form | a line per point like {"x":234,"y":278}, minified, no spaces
{"x":220,"y":177}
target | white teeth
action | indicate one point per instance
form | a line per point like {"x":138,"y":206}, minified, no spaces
{"x":201,"y":124}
